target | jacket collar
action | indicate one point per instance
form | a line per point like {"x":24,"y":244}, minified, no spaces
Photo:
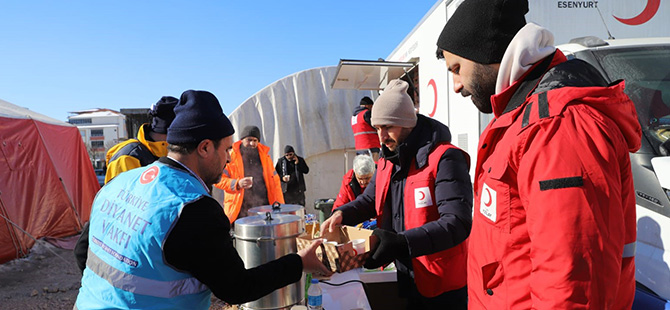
{"x":419,"y":143}
{"x":158,"y":148}
{"x":514,"y":96}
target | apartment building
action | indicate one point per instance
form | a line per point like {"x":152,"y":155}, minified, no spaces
{"x":100,"y":129}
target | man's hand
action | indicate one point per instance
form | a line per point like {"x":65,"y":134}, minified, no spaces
{"x":310,"y":262}
{"x":332,"y":223}
{"x":286,"y":178}
{"x":297,"y":159}
{"x":390,"y":247}
{"x":245,"y":183}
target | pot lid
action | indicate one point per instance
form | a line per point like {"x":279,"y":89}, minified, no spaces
{"x":276,"y":208}
{"x":267,"y":225}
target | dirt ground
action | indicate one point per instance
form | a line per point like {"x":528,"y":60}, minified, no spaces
{"x":48,"y":278}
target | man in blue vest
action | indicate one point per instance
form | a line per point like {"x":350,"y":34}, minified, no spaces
{"x":159,"y":240}
{"x":133,"y":153}
{"x":421,"y":195}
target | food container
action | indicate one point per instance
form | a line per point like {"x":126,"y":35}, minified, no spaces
{"x":261,"y":239}
{"x":343,"y":249}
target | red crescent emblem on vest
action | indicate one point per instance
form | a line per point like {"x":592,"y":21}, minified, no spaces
{"x":432,"y":83}
{"x":649,"y":11}
{"x":488,"y":204}
{"x":423,"y":196}
{"x":149,"y":175}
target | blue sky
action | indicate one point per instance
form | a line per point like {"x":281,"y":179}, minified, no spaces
{"x":62,"y":56}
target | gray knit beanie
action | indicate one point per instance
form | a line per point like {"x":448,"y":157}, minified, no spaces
{"x":394,"y":106}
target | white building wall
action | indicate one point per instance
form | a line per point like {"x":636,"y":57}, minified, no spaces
{"x":113,"y":127}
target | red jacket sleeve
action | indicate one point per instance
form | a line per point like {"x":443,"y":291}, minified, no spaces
{"x":569,"y":178}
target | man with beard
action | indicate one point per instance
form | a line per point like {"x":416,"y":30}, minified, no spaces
{"x":249,"y":179}
{"x":149,"y":145}
{"x":554,"y":220}
{"x":421,"y":196}
{"x":158,"y":238}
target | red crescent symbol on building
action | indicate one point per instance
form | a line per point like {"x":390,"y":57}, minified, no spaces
{"x":488,"y":204}
{"x":423,"y":195}
{"x":149,"y":175}
{"x":649,"y":11}
{"x":432,"y":83}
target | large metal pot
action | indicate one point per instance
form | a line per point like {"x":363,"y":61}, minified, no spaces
{"x":262,"y":238}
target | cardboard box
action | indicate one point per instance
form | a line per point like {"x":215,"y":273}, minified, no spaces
{"x":341,"y":257}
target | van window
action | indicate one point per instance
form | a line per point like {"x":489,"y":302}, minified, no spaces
{"x":647,"y":77}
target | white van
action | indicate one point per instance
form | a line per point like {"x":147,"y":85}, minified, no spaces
{"x":645,"y":66}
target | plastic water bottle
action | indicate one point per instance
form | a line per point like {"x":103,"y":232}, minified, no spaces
{"x":314,"y":296}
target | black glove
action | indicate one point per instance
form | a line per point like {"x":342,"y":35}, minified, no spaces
{"x":391,"y":246}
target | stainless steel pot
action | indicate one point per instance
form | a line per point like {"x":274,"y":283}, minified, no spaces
{"x":262,"y":238}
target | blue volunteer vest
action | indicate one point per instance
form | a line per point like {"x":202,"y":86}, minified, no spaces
{"x":130,"y":219}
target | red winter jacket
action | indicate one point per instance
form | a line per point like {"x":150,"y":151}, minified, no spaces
{"x":438,"y":272}
{"x":346,"y":193}
{"x":554,"y":213}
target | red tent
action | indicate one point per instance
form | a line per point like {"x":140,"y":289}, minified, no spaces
{"x":47,"y":182}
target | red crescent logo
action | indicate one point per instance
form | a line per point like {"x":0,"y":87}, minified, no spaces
{"x":432,"y":83}
{"x":149,"y":175}
{"x":488,"y":204}
{"x":648,"y":12}
{"x":423,"y":196}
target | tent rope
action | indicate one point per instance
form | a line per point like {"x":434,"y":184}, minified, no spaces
{"x":12,"y":233}
{"x":31,"y":237}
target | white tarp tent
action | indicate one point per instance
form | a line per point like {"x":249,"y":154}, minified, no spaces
{"x":303,"y":111}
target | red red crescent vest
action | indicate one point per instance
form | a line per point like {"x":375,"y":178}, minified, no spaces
{"x":365,"y":136}
{"x":434,"y":273}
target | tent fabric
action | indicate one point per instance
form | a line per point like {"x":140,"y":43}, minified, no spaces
{"x":47,"y":182}
{"x":303,"y":111}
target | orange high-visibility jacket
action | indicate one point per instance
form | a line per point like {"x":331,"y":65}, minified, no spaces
{"x":232,"y":202}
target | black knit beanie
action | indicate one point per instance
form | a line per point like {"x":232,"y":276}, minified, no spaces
{"x":162,"y":114}
{"x":198,"y":116}
{"x":288,"y":149}
{"x":251,"y":131}
{"x":481,"y":30}
{"x":366,"y":100}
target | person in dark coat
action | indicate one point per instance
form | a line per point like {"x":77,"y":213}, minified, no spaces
{"x":421,"y":195}
{"x":292,"y":169}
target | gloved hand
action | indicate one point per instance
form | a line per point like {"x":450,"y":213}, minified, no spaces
{"x":391,"y":246}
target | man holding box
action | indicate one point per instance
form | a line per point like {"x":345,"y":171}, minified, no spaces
{"x":421,"y":195}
